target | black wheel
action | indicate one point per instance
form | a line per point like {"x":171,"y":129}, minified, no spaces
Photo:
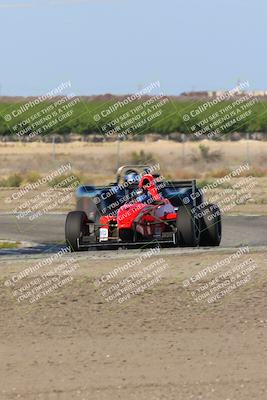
{"x":188,"y":228}
{"x":126,"y":235}
{"x":211,"y":226}
{"x":76,"y":226}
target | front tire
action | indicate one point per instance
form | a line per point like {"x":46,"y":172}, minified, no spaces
{"x":76,"y":226}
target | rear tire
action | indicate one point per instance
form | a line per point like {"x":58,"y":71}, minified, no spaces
{"x":211,"y":226}
{"x":188,"y":229}
{"x":76,"y":226}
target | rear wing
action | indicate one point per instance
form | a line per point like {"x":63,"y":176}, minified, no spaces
{"x":185,"y":184}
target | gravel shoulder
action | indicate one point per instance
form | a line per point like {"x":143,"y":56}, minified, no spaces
{"x":159,"y":344}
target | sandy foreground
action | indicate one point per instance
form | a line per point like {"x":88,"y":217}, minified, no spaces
{"x":82,"y":341}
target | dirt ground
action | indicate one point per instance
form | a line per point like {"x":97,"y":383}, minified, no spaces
{"x":175,"y":158}
{"x":163,"y":343}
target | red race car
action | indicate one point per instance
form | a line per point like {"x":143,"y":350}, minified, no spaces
{"x":148,"y":217}
{"x":143,"y":216}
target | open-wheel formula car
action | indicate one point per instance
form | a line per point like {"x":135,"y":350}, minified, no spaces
{"x":141,"y":208}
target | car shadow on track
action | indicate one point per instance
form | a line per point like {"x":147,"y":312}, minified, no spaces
{"x":38,"y":248}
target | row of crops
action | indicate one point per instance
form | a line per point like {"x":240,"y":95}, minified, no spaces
{"x":162,"y":115}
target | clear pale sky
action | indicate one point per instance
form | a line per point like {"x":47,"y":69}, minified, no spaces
{"x":118,"y":46}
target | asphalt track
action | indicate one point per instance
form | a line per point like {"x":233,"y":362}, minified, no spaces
{"x":46,"y":233}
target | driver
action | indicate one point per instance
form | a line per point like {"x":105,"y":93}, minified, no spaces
{"x":143,"y":196}
{"x":131,"y":177}
{"x":148,"y":190}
